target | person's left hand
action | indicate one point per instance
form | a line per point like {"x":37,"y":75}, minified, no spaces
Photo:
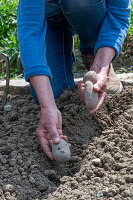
{"x":100,"y":86}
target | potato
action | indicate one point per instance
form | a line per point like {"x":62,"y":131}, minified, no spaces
{"x":90,"y":76}
{"x":61,"y":152}
{"x":90,"y":95}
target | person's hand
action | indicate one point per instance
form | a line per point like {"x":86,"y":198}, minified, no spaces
{"x":100,"y":86}
{"x":100,"y":65}
{"x":50,"y":125}
{"x":50,"y":129}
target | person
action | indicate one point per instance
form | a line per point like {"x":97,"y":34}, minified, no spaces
{"x":45,"y":29}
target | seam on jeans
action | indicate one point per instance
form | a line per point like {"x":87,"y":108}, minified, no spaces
{"x":64,"y":59}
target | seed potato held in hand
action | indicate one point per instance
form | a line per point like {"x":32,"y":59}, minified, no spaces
{"x":90,"y":76}
{"x":90,"y":95}
{"x":61,"y":152}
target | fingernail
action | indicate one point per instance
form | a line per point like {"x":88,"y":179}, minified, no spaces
{"x":56,"y":140}
{"x":96,"y":86}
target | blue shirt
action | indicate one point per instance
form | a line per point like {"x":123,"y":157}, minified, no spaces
{"x":32,"y":30}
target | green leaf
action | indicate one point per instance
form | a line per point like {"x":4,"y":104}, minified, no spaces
{"x":14,"y":56}
{"x":18,"y":63}
{"x":80,"y":60}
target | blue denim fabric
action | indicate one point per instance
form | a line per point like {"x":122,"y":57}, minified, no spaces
{"x":52,"y":8}
{"x":86,"y":17}
{"x":60,"y":28}
{"x":59,"y":55}
{"x":99,"y":23}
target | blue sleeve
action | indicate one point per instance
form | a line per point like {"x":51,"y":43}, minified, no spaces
{"x":115,"y":25}
{"x":32,"y":30}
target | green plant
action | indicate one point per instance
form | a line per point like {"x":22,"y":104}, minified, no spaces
{"x":77,"y":42}
{"x":130,"y":32}
{"x":9,"y":43}
{"x":8,"y":17}
{"x":2,"y":75}
{"x":10,"y":47}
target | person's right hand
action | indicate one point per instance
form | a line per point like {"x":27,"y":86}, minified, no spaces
{"x":50,"y":129}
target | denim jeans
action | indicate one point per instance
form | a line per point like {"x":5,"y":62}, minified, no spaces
{"x":64,"y":18}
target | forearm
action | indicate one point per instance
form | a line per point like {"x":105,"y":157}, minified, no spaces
{"x":44,"y":91}
{"x":104,"y":56}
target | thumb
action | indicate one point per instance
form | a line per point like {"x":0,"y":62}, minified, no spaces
{"x":97,"y":86}
{"x":54,"y":133}
{"x":100,"y":82}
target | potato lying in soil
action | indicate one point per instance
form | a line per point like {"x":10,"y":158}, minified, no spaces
{"x":90,"y":95}
{"x":61,"y":152}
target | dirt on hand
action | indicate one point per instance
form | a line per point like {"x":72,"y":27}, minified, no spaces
{"x":101,"y":165}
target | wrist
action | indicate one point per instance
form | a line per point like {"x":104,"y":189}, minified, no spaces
{"x":98,"y":67}
{"x":103,"y":59}
{"x":48,"y":105}
{"x":104,"y":56}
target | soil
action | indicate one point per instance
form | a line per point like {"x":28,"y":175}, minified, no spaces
{"x":101,"y":166}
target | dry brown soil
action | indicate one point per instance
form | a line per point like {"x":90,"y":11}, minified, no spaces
{"x":101,"y":166}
